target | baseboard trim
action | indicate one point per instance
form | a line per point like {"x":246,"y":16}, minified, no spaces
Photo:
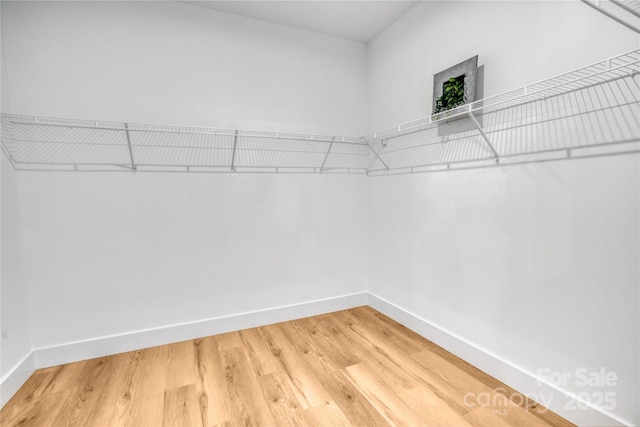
{"x":135,"y":340}
{"x":519,"y":379}
{"x":505,"y":371}
{"x":16,"y":377}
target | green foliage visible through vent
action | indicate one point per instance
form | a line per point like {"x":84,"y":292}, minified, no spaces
{"x":452,"y":95}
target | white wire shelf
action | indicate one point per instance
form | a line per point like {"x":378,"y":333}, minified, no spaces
{"x":579,"y":113}
{"x":36,"y":143}
{"x":625,"y":12}
{"x":584,"y":112}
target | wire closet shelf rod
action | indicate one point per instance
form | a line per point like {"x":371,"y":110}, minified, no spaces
{"x":590,"y":108}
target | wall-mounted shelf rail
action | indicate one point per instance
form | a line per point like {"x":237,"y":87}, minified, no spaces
{"x":36,"y":143}
{"x":625,"y":12}
{"x":593,"y":110}
{"x":588,"y":111}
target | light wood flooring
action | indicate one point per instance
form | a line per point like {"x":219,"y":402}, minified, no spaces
{"x":352,"y":367}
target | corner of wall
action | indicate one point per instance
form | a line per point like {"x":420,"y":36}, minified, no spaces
{"x":134,"y":340}
{"x":11,"y":382}
{"x":16,"y":356}
{"x":562,"y":402}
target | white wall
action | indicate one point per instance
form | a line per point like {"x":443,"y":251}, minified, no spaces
{"x":14,"y":320}
{"x":175,"y":63}
{"x":115,"y":253}
{"x":16,"y":361}
{"x":536,"y":264}
{"x":518,"y":42}
{"x":106,"y":255}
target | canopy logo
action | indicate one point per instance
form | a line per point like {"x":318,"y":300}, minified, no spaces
{"x":499,"y":400}
{"x":594,"y":383}
{"x":594,"y":386}
{"x":581,"y":377}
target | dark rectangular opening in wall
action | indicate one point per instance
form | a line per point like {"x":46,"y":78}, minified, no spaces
{"x":453,"y":92}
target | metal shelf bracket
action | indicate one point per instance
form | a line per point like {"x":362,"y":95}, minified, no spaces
{"x":484,"y":136}
{"x":233,"y":155}
{"x":376,"y":153}
{"x":126,"y":132}
{"x":327,"y":155}
{"x":593,"y":106}
{"x":597,"y":6}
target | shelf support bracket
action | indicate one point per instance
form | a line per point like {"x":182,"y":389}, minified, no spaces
{"x":126,"y":132}
{"x":5,"y":150}
{"x":233,"y":156}
{"x":376,"y":153}
{"x":327,"y":155}
{"x":484,"y":136}
{"x":625,"y":7}
{"x":611,"y":15}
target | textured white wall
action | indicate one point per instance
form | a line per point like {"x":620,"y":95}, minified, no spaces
{"x":14,"y":319}
{"x":118,"y":253}
{"x":518,"y":42}
{"x":174,"y":63}
{"x":112,"y":253}
{"x":537,"y":264}
{"x":15,"y":341}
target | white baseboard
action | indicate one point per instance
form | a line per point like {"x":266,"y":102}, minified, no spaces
{"x":18,"y":375}
{"x":135,"y":340}
{"x":510,"y":374}
{"x":558,"y":400}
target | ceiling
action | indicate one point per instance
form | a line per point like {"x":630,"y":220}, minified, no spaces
{"x":359,"y":21}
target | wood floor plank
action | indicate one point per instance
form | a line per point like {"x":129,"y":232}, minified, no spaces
{"x":91,"y":393}
{"x":328,"y":414}
{"x":45,"y":412}
{"x":212,"y":389}
{"x":355,"y":367}
{"x":283,"y":398}
{"x":201,"y":388}
{"x":442,"y":376}
{"x":260,"y":355}
{"x":181,"y":407}
{"x":294,"y":365}
{"x":229,"y":340}
{"x":432,"y":410}
{"x":397,"y":334}
{"x":22,"y":411}
{"x":246,"y":400}
{"x":449,"y":382}
{"x":482,"y":416}
{"x":355,"y":407}
{"x":147,"y":394}
{"x":181,"y":365}
{"x":115,"y":408}
{"x":325,"y":340}
{"x":380,"y":395}
{"x":375,"y":357}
